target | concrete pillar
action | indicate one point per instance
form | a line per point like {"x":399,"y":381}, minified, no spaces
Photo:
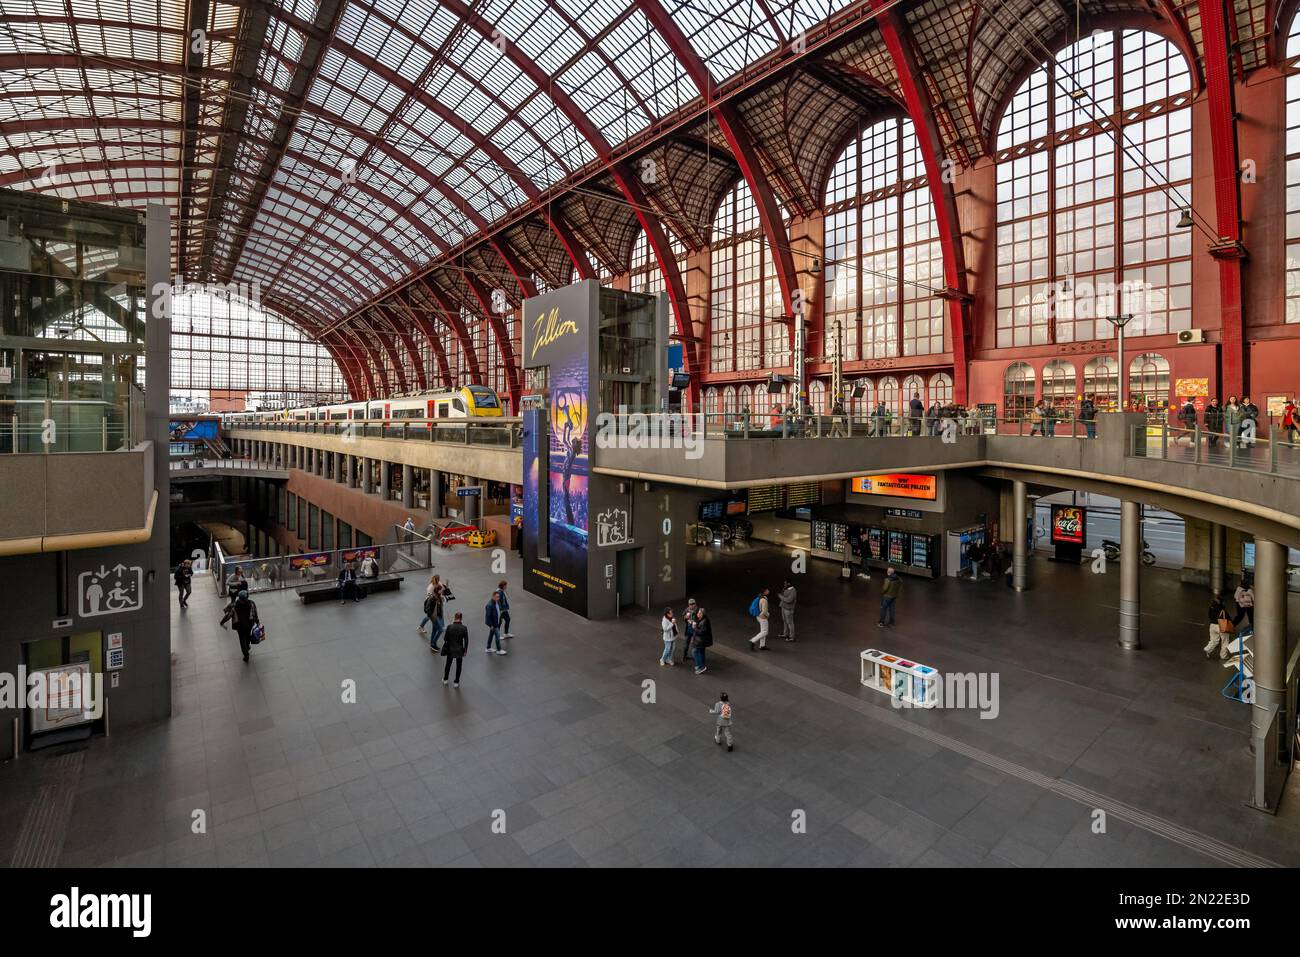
{"x":1020,"y":545}
{"x":435,"y":493}
{"x":385,"y":480}
{"x":1270,"y":625}
{"x":1130,"y":575}
{"x":350,"y":467}
{"x":1218,"y":552}
{"x":408,"y":486}
{"x":367,"y":476}
{"x":473,"y":505}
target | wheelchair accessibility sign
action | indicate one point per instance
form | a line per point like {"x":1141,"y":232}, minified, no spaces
{"x":111,"y":591}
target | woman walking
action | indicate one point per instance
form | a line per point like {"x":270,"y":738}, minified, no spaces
{"x":701,"y":639}
{"x":669,"y":628}
{"x":433,"y":603}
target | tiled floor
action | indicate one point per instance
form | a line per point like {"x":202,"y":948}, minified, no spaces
{"x":556,"y":741}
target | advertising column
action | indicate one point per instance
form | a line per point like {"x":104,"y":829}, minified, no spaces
{"x":559,"y":342}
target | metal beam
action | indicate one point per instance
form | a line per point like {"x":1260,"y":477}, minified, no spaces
{"x":920,"y":108}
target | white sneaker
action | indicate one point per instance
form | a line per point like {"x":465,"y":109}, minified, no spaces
{"x":501,"y":652}
{"x":488,"y":650}
{"x":507,"y":636}
{"x":444,"y":680}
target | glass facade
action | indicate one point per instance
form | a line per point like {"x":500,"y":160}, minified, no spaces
{"x":1087,"y":219}
{"x":747,"y":331}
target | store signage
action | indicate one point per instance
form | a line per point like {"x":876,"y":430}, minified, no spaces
{"x":1190,"y":388}
{"x":310,"y":560}
{"x":896,"y":484}
{"x":1069,"y":524}
{"x":904,"y":513}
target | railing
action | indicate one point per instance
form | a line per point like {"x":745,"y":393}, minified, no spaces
{"x":410,"y":553}
{"x":36,"y":424}
{"x":184,"y":464}
{"x":1200,"y":447}
{"x":740,"y":425}
{"x":498,"y":432}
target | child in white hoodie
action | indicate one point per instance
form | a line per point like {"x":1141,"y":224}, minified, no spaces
{"x":723,"y":710}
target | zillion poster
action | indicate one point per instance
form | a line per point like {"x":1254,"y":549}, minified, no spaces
{"x":557,"y":445}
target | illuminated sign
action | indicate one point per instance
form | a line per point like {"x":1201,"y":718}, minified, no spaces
{"x":1069,"y":524}
{"x":897,"y":484}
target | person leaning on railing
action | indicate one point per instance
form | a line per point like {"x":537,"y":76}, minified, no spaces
{"x":1088,"y":416}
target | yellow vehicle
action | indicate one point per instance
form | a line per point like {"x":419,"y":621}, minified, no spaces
{"x":480,"y":539}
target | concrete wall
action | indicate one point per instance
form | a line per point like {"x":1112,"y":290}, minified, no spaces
{"x":70,"y":493}
{"x":481,"y":461}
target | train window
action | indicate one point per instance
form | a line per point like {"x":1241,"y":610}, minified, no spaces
{"x":484,"y":398}
{"x":458,"y":405}
{"x":442,"y":410}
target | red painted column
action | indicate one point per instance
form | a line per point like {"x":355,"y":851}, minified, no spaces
{"x":1227,"y":197}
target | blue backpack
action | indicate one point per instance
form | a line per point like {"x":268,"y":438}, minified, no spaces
{"x":754,"y":608}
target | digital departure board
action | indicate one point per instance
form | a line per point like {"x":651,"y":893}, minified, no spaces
{"x":765,"y":498}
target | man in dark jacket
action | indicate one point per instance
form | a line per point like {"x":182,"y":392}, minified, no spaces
{"x":1187,"y":415}
{"x":455,"y":642}
{"x":888,"y":595}
{"x":492,"y":618}
{"x":701,"y":639}
{"x":244,"y":618}
{"x":1214,"y":421}
{"x":1249,"y":422}
{"x":348,"y":584}
{"x":1088,"y":416}
{"x":916,"y":410}
{"x":184,"y":572}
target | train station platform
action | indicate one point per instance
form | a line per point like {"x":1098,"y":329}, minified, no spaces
{"x":559,"y":736}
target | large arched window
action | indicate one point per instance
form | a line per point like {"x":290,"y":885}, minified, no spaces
{"x":913,"y":385}
{"x":817,"y":397}
{"x":887,"y":394}
{"x":864,"y":404}
{"x":646,"y":276}
{"x":1059,"y":384}
{"x":1017,"y":390}
{"x":712,"y":400}
{"x":1293,"y":175}
{"x":747,"y":330}
{"x":941,"y":388}
{"x":1148,"y":380}
{"x":221,"y":342}
{"x":1101,"y":382}
{"x":884,"y":264}
{"x":1086,"y":219}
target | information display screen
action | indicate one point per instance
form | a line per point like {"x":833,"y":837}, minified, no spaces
{"x":876,"y":539}
{"x":898,"y":547}
{"x":711,"y":510}
{"x":921,"y":551}
{"x":765,"y":498}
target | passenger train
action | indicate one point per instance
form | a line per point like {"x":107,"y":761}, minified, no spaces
{"x":470,"y":401}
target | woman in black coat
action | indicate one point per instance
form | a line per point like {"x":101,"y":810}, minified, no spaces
{"x":455,"y":642}
{"x":244,"y":615}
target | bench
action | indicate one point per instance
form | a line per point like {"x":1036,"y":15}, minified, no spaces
{"x":322,"y":591}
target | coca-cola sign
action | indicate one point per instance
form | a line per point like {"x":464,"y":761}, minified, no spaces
{"x":1069,"y":524}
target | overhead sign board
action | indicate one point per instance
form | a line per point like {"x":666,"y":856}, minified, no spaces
{"x":897,"y":485}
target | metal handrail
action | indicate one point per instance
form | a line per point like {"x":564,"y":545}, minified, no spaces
{"x":1218,"y":449}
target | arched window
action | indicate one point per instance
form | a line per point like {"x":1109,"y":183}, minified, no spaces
{"x":729,"y":400}
{"x":1293,"y":175}
{"x":887,"y":394}
{"x":746,"y":331}
{"x":646,"y":276}
{"x":883,"y":259}
{"x":817,"y":397}
{"x":941,"y":388}
{"x":1059,"y":384}
{"x":1017,"y":390}
{"x":1086,"y":219}
{"x":1101,"y":382}
{"x":1148,"y":381}
{"x":602,"y":271}
{"x":913,"y":385}
{"x":864,"y":404}
{"x":712,"y":400}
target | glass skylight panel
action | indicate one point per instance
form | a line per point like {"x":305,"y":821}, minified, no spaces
{"x":648,"y":64}
{"x":725,"y":40}
{"x":540,"y":31}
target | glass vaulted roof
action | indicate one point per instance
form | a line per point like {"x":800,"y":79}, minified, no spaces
{"x":326,"y":148}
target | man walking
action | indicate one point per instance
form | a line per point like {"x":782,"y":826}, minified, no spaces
{"x":184,"y":572}
{"x":888,"y":595}
{"x":758,"y":608}
{"x":787,"y":597}
{"x":492,"y":618}
{"x":454,"y":645}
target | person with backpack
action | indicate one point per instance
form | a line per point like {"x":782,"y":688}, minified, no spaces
{"x":722,"y":727}
{"x":454,"y":645}
{"x":668,"y":627}
{"x":433,"y":606}
{"x":1221,"y":629}
{"x":244,"y":618}
{"x":701,"y":638}
{"x":1088,"y":416}
{"x":758,"y":610}
{"x":492,"y":618}
{"x":787,"y":597}
{"x":505,"y":610}
{"x":888,"y":595}
{"x":184,"y":572}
